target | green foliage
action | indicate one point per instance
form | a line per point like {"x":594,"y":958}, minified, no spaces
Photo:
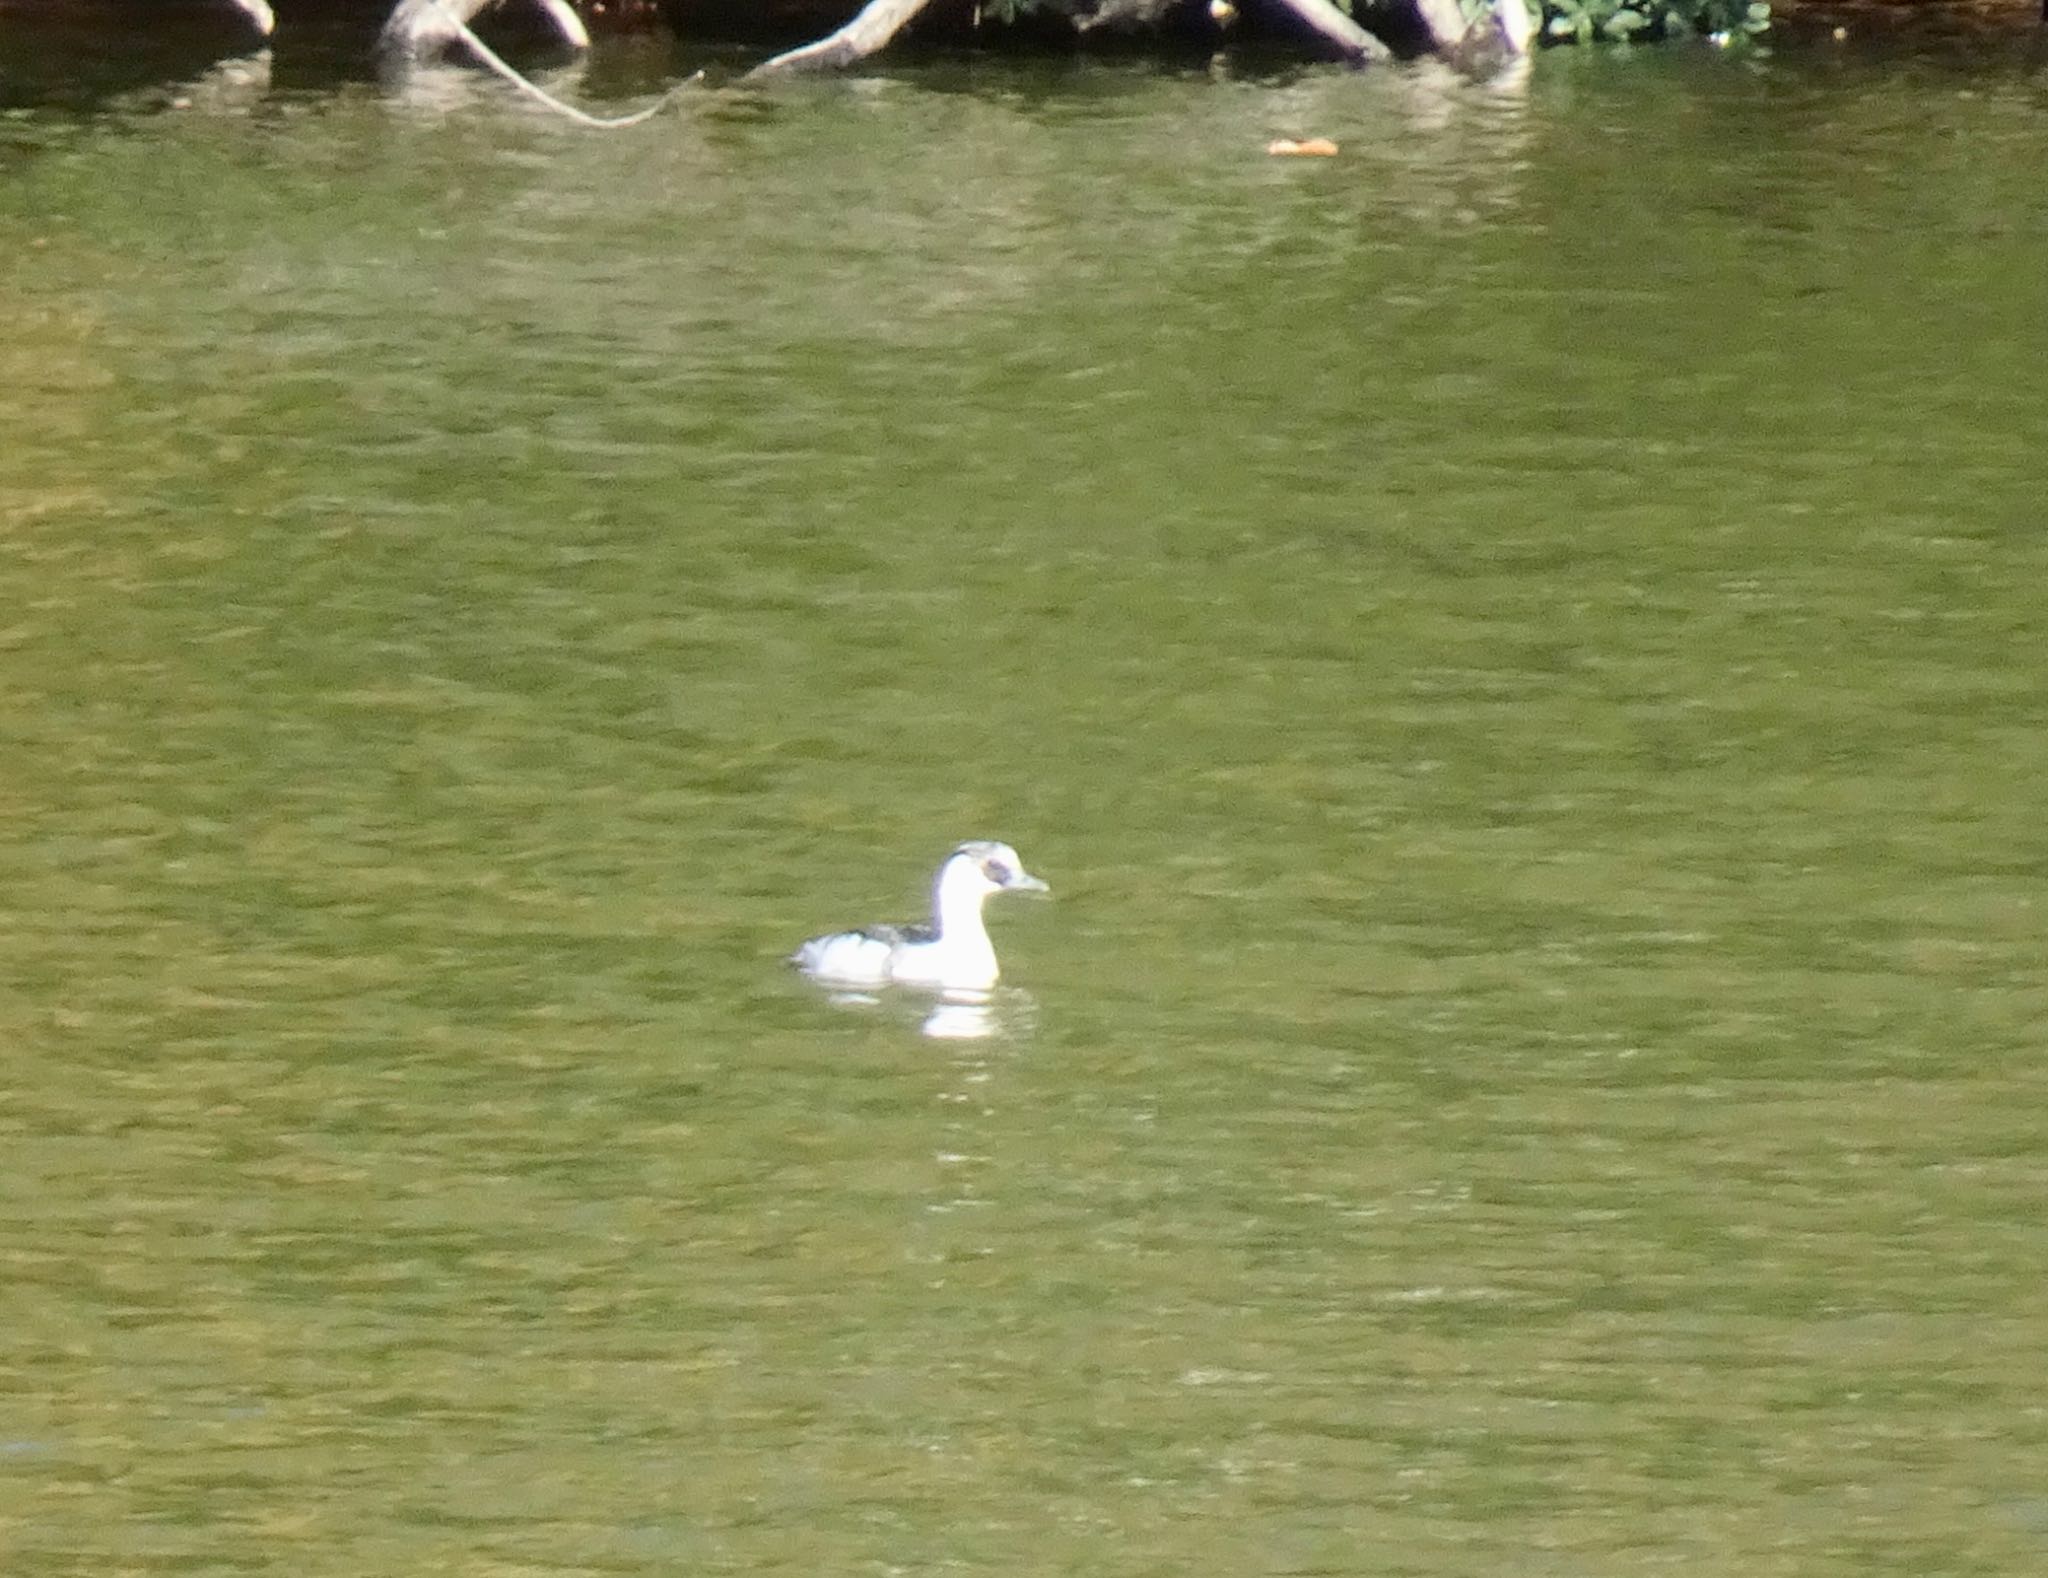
{"x":1585,"y":21}
{"x":1562,"y":21}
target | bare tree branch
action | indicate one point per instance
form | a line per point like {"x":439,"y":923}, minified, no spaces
{"x":260,"y":13}
{"x":878,"y":22}
{"x":1517,"y":27}
{"x":1445,"y":22}
{"x":570,"y":24}
{"x":1334,"y":25}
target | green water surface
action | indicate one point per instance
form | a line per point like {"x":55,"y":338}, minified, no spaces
{"x":1519,"y":648}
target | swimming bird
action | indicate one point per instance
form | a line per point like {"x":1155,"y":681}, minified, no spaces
{"x":953,"y":953}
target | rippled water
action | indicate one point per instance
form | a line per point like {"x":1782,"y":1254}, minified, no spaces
{"x":1519,"y":650}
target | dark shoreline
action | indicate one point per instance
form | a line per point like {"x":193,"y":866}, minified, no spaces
{"x":78,"y":54}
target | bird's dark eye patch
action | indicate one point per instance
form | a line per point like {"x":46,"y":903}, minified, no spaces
{"x":996,"y":872}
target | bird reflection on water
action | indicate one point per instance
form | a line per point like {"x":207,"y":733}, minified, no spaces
{"x":1004,"y":1013}
{"x":1009,"y":1012}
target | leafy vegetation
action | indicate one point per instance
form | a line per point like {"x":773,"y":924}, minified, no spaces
{"x":1561,"y":21}
{"x":1588,"y":21}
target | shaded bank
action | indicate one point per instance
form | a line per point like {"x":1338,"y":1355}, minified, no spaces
{"x":840,"y":34}
{"x":81,"y":53}
{"x":350,"y":29}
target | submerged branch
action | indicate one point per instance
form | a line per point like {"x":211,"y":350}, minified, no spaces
{"x":433,"y":25}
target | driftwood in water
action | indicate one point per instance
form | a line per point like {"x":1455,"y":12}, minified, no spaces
{"x":419,"y":29}
{"x":1505,"y":28}
{"x":1336,"y":25}
{"x":1443,"y":20}
{"x":880,"y":21}
{"x":260,"y":13}
{"x":1517,"y":27}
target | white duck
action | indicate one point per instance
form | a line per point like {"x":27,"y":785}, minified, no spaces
{"x":953,"y":953}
